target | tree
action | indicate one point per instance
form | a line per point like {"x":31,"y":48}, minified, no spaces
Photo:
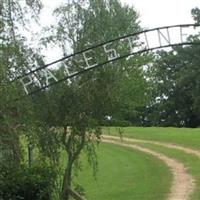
{"x":14,"y":113}
{"x":176,"y":85}
{"x":196,"y":15}
{"x":176,"y":88}
{"x":81,"y":105}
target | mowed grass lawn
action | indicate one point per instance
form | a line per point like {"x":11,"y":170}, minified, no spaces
{"x":182,"y":136}
{"x":125,"y":174}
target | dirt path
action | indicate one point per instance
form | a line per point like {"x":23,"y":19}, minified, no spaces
{"x":168,"y":145}
{"x":183,"y":183}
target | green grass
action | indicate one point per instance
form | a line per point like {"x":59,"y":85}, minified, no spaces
{"x":191,"y":162}
{"x":125,"y":174}
{"x":182,"y":136}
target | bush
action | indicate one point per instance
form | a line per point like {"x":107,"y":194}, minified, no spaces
{"x":27,"y":183}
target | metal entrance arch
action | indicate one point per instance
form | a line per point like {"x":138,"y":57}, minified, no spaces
{"x":85,"y":60}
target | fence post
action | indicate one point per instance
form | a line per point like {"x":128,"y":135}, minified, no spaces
{"x":30,"y":154}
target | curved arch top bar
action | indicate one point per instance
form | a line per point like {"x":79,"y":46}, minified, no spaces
{"x":122,"y":47}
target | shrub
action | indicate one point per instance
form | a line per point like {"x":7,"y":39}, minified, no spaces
{"x":27,"y":183}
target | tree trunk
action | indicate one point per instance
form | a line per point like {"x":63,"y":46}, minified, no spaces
{"x":67,"y":179}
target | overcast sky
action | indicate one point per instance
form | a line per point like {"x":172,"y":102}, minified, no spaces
{"x":153,"y":13}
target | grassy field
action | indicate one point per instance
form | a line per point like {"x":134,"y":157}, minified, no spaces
{"x":125,"y":174}
{"x":182,"y":136}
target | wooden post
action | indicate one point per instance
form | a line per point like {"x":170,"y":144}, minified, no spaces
{"x":30,"y":155}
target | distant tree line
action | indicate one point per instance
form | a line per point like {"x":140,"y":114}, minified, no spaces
{"x":173,"y":80}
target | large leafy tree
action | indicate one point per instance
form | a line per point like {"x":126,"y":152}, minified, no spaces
{"x":100,"y":21}
{"x":13,"y":56}
{"x":175,"y":88}
{"x":80,"y":106}
{"x":175,"y":83}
